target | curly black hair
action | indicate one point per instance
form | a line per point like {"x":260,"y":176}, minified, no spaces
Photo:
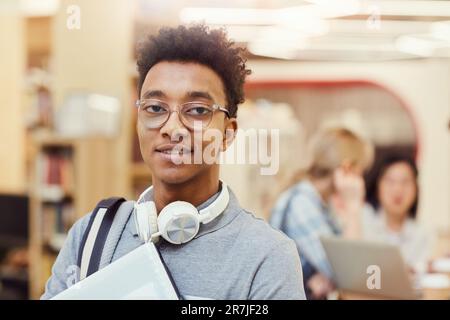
{"x":197,"y":43}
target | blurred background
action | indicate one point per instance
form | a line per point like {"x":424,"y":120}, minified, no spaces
{"x":68,"y":85}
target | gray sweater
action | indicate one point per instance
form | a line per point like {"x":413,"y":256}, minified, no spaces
{"x":236,"y":256}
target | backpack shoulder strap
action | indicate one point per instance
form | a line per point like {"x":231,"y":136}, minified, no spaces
{"x":94,"y":238}
{"x":121,"y":220}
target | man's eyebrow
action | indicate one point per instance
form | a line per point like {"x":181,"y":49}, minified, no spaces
{"x":153,"y":94}
{"x":199,"y":94}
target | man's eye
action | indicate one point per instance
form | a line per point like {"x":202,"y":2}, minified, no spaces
{"x":154,"y":108}
{"x":198,"y":111}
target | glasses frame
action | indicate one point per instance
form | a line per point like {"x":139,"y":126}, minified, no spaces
{"x":215,"y":107}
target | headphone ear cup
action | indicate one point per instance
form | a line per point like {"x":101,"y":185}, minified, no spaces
{"x":178,"y":222}
{"x":146,"y":220}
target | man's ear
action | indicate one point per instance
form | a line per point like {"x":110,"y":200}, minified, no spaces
{"x":230,"y":133}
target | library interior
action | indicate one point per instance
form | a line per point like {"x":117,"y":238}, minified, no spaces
{"x":376,"y":71}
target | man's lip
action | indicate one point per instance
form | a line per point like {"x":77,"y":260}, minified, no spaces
{"x":169,"y":147}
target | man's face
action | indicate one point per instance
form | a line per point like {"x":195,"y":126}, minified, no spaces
{"x":177,"y":83}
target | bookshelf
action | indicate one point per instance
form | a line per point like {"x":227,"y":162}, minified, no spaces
{"x":83,"y":170}
{"x":68,"y":178}
{"x":139,"y":176}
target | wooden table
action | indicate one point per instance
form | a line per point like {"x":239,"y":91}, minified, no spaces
{"x":427,"y":294}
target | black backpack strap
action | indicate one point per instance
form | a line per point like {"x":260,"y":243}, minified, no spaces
{"x":94,"y":237}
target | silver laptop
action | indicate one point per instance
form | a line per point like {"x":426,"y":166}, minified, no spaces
{"x":140,"y":274}
{"x":367,"y":267}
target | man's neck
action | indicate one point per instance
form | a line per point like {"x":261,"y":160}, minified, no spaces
{"x":194,"y":191}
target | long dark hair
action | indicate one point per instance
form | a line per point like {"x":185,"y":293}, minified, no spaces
{"x":380,"y":170}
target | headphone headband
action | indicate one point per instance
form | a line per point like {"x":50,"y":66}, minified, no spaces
{"x":179,"y":221}
{"x":218,"y":206}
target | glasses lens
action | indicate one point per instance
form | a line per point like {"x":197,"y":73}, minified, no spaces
{"x":196,"y":115}
{"x":153,"y":113}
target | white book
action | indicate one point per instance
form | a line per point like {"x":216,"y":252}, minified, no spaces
{"x":138,"y":275}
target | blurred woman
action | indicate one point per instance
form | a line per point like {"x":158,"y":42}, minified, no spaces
{"x":394,"y":196}
{"x":326,"y":199}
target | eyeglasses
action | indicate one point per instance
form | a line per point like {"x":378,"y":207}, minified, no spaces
{"x":155,"y":113}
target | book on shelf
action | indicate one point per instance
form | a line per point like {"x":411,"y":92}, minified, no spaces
{"x":57,"y":218}
{"x":55,"y":174}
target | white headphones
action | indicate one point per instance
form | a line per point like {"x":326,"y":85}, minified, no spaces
{"x":179,"y":221}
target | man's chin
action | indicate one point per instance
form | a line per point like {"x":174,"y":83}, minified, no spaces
{"x":174,"y":175}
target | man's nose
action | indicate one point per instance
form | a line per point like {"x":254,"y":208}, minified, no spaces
{"x":174,"y":128}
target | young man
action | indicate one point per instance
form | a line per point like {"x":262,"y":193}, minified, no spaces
{"x":190,"y":81}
